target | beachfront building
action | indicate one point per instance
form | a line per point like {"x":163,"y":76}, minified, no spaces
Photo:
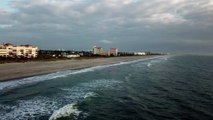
{"x":140,"y":53}
{"x":98,"y":51}
{"x":113,"y":52}
{"x":3,"y":51}
{"x":11,"y":50}
{"x":72,"y":56}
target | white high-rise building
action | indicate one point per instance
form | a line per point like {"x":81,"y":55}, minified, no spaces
{"x":98,"y":50}
{"x":113,"y":52}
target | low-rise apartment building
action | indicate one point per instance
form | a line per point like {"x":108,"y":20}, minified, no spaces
{"x":11,"y":50}
{"x":140,"y":53}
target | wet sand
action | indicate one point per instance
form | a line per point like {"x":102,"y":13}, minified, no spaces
{"x":12,"y":71}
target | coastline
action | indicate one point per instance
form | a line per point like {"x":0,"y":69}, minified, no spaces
{"x":14,"y":71}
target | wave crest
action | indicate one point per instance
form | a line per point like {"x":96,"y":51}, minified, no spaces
{"x":66,"y":111}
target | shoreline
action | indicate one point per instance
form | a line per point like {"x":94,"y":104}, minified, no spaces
{"x":15,"y":71}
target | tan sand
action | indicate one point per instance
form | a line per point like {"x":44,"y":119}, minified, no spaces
{"x":12,"y":71}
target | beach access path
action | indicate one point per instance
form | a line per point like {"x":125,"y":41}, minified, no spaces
{"x":12,"y":71}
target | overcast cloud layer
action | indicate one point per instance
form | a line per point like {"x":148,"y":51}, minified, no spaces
{"x":130,"y":25}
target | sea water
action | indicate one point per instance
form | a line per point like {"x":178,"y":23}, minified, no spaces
{"x":159,"y":88}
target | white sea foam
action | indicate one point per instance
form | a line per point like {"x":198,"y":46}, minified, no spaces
{"x":31,"y":80}
{"x":90,"y":94}
{"x":43,"y":106}
{"x":70,"y":109}
{"x":83,"y":91}
{"x":26,"y":109}
{"x":155,"y":61}
{"x":101,"y":83}
{"x":66,"y":111}
{"x":149,"y":64}
{"x":74,"y":93}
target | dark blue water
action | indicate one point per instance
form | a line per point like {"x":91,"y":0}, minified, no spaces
{"x":162,"y":88}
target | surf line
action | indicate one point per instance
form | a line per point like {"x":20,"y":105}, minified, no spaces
{"x":30,"y":80}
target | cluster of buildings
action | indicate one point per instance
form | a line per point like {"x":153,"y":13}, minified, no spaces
{"x":9,"y":50}
{"x":18,"y":51}
{"x":114,"y":52}
{"x":140,"y":53}
{"x":94,"y":52}
{"x":100,"y":51}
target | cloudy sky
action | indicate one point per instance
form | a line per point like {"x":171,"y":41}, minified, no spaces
{"x":131,"y":25}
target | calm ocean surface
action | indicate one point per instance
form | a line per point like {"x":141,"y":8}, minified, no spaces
{"x":161,"y":88}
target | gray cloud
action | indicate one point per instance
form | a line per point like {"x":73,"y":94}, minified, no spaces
{"x":157,"y":25}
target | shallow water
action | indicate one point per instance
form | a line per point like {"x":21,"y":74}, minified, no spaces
{"x":165,"y":87}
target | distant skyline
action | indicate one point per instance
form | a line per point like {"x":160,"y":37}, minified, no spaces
{"x":176,"y":26}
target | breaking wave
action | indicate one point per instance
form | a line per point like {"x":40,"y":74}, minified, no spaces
{"x":39,"y":106}
{"x":154,"y":61}
{"x":90,"y":94}
{"x":25,"y":109}
{"x":66,"y":111}
{"x":149,"y":64}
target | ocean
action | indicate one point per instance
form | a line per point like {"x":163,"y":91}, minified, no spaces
{"x":173,"y":87}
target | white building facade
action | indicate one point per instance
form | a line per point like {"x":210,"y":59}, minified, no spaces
{"x":10,"y":50}
{"x":98,"y":51}
{"x":73,"y":56}
{"x":140,"y":53}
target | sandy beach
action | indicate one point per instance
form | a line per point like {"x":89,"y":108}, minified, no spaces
{"x":12,"y":71}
